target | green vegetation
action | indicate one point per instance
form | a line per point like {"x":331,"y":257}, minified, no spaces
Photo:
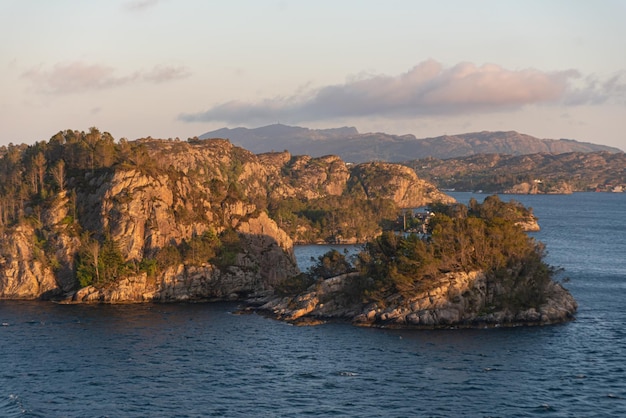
{"x":294,"y":285}
{"x":31,"y":176}
{"x":332,"y":218}
{"x":555,"y":173}
{"x":40,"y":178}
{"x":481,"y":237}
{"x":460,"y":239}
{"x":76,"y":195}
{"x":98,"y":263}
{"x":330,"y":264}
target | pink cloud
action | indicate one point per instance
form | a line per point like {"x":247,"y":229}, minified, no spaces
{"x":78,"y":76}
{"x":490,"y":85}
{"x":426,"y":89}
{"x":163,"y":74}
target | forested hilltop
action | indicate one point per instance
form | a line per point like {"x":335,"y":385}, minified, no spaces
{"x":94,"y":219}
{"x":534,"y":173}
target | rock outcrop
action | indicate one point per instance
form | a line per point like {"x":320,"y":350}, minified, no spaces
{"x":177,"y":284}
{"x":562,"y":187}
{"x":455,"y":300}
{"x":529,"y":225}
{"x":22,"y":272}
{"x":396,"y":182}
{"x":146,"y":197}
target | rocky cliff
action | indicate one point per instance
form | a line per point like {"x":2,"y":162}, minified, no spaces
{"x":86,"y":219}
{"x":400,"y":183}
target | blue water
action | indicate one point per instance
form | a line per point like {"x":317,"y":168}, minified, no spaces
{"x":193,"y":360}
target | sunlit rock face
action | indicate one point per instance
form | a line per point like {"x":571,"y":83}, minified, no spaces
{"x":455,"y":300}
{"x":167,"y":193}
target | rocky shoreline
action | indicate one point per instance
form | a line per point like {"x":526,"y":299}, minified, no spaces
{"x":458,"y":300}
{"x":208,"y":221}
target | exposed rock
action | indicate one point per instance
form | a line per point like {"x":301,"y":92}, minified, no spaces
{"x":456,"y":300}
{"x":23,"y":272}
{"x":529,"y":225}
{"x":396,"y":182}
{"x":164,"y":196}
{"x":562,"y":187}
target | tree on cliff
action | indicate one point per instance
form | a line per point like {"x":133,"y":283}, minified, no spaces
{"x":100,"y":263}
{"x":330,"y":264}
{"x":88,"y":262}
{"x":81,"y":195}
{"x":58,"y":174}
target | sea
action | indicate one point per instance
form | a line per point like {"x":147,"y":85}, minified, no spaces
{"x":202,"y":360}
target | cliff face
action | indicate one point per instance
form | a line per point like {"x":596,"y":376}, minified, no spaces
{"x":304,"y":177}
{"x":397,"y":182}
{"x":22,"y":275}
{"x":456,"y":299}
{"x":169,"y":220}
{"x":37,"y":257}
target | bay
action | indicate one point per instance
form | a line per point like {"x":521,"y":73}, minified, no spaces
{"x":193,"y":360}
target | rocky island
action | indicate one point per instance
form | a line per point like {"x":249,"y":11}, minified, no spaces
{"x":87,"y":219}
{"x":475,"y":268}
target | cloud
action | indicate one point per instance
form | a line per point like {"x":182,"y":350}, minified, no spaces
{"x":163,"y":74}
{"x":140,"y":5}
{"x":428,"y":89}
{"x":78,"y":76}
{"x":593,"y":90}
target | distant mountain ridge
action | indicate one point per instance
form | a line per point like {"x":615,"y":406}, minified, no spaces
{"x":350,"y":145}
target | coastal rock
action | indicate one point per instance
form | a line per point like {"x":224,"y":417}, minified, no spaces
{"x":159,"y":195}
{"x":562,"y":187}
{"x":24,"y":272}
{"x":529,"y":225}
{"x":456,"y":300}
{"x":176,"y":284}
{"x":396,"y":182}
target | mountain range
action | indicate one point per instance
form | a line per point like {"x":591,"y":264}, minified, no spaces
{"x":352,"y":146}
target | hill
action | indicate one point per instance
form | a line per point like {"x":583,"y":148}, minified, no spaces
{"x":356,"y":147}
{"x":533,"y":173}
{"x":84,"y":218}
{"x":166,"y":220}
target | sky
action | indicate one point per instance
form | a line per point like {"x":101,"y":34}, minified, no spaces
{"x":179,"y":68}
